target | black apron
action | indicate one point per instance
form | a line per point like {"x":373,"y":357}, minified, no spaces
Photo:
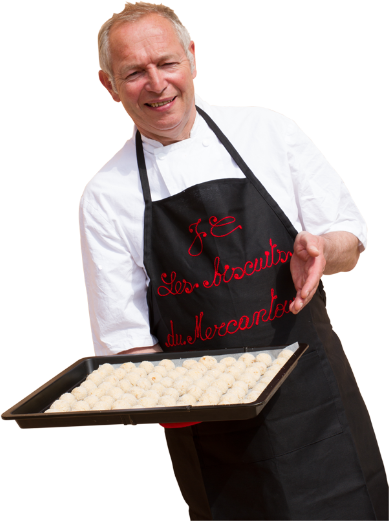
{"x":218,"y":259}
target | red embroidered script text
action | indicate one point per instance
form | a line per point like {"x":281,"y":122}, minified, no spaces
{"x":197,"y":243}
{"x":229,"y":273}
{"x":231,"y":327}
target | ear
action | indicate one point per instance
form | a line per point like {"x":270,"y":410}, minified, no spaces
{"x":192,"y":50}
{"x":108,"y":85}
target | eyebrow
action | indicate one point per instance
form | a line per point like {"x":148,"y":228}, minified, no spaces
{"x":133,"y":66}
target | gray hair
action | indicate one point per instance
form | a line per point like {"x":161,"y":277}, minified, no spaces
{"x":132,"y":13}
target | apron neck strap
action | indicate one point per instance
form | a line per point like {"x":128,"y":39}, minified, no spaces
{"x":148,"y":206}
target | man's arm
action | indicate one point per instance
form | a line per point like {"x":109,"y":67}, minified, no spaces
{"x":315,"y":255}
{"x":139,"y":350}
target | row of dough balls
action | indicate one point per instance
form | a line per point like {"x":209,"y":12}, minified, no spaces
{"x":206,"y":382}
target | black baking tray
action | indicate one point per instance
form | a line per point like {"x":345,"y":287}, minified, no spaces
{"x":29,"y":413}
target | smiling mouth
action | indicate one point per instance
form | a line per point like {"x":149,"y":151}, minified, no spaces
{"x":154,"y":105}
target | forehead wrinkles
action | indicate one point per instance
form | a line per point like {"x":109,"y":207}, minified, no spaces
{"x":138,"y":44}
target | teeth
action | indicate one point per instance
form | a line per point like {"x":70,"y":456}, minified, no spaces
{"x":160,"y":104}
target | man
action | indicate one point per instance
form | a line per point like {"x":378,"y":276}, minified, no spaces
{"x":190,"y":241}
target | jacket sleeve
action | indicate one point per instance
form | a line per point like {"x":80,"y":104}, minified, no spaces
{"x":115,"y":285}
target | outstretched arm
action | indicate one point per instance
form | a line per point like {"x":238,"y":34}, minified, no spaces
{"x":315,"y":255}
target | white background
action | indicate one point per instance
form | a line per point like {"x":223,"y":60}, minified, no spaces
{"x":321,"y":63}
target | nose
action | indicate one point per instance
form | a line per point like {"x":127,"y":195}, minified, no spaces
{"x":156,"y":82}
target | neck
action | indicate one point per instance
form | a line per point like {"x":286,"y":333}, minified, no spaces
{"x":173,"y":135}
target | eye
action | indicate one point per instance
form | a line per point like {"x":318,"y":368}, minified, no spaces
{"x":168,"y":64}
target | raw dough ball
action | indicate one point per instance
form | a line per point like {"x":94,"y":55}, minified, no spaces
{"x":167,"y":382}
{"x":144,"y":384}
{"x":125,"y":385}
{"x":158,"y":388}
{"x":221,"y":367}
{"x":229,"y":399}
{"x":112,"y":379}
{"x":136,"y":391}
{"x":80,"y":393}
{"x":195,"y":391}
{"x":239,"y":392}
{"x":120,"y":404}
{"x":208,"y":378}
{"x":241,"y":365}
{"x":146,"y":401}
{"x":221,"y":384}
{"x":266,"y":379}
{"x":61,"y":406}
{"x":89,"y":385}
{"x":140,"y":371}
{"x":108,"y":368}
{"x":272,"y":372}
{"x":154,"y":377}
{"x":228,"y":378}
{"x":101,"y":406}
{"x":285,"y":353}
{"x":51,"y":410}
{"x":115,"y":392}
{"x":168,"y":364}
{"x":214,"y":389}
{"x":95,"y":378}
{"x":251,"y":397}
{"x":174,"y":374}
{"x":280,"y":361}
{"x":80,"y":406}
{"x":120,"y":373}
{"x":260,"y":387}
{"x":228,"y":361}
{"x":247,"y":359}
{"x":249,"y":379}
{"x":172,"y":392}
{"x":265,"y":358}
{"x":233,"y":371}
{"x":106,"y":386}
{"x":202,"y":383}
{"x":151,"y":394}
{"x":68,"y":397}
{"x":255,"y":371}
{"x":243,"y":385}
{"x":182,"y":384}
{"x":91,"y":400}
{"x":181,"y":370}
{"x":128,"y":366}
{"x":147,"y":366}
{"x":215,"y":373}
{"x":187,"y":399}
{"x":209,"y":361}
{"x":195,"y":374}
{"x":161,"y":370}
{"x":132,"y":377}
{"x":209,"y":398}
{"x":167,"y":401}
{"x":107,"y":399}
{"x":189,"y":364}
{"x":98,"y":392}
{"x":258,"y":365}
{"x":129,"y":398}
{"x":200,"y":367}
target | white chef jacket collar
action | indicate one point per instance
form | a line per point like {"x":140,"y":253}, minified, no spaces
{"x":198,"y":132}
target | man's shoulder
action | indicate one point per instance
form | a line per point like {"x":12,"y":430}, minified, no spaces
{"x":113,"y":181}
{"x":240,"y":118}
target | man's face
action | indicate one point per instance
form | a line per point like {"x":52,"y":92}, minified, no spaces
{"x":150,"y":67}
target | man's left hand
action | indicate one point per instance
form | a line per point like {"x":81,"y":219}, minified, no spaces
{"x":317,"y":254}
{"x":307,"y":266}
